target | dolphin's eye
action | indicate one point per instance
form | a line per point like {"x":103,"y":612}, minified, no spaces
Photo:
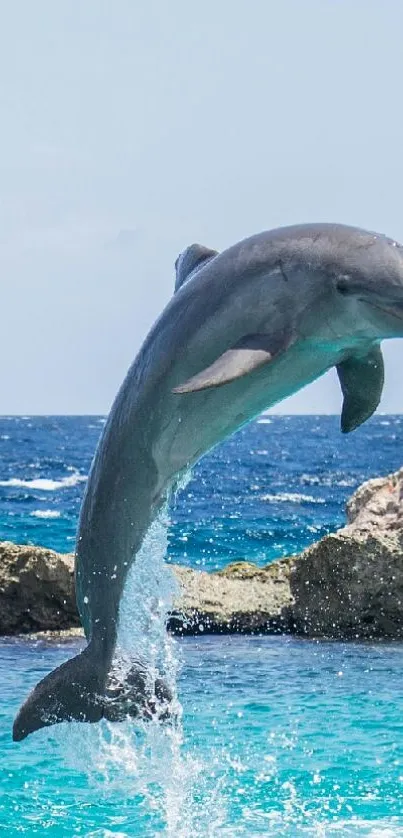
{"x":343,"y":286}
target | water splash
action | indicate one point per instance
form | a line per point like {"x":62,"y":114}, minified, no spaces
{"x":146,"y":761}
{"x":147,"y":599}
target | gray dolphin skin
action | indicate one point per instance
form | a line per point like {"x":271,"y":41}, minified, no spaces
{"x":244,"y":329}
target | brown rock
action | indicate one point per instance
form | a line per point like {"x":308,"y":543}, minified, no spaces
{"x":377,"y":506}
{"x":242,"y":597}
{"x":36,"y":590}
{"x":349,"y":584}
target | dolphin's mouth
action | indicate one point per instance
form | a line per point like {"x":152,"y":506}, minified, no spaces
{"x":387,"y":310}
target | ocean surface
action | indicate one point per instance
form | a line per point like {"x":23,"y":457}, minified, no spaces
{"x":275,"y":736}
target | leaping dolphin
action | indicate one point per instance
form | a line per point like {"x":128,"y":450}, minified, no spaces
{"x":245,"y":329}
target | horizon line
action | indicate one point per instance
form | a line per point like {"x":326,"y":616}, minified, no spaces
{"x":25,"y":415}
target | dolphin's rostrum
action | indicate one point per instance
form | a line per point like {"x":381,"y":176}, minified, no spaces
{"x":245,"y":329}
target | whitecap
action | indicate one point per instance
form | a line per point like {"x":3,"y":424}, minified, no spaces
{"x":264,"y":421}
{"x":330,"y":480}
{"x":291,"y":497}
{"x":45,"y":484}
{"x":45,"y":513}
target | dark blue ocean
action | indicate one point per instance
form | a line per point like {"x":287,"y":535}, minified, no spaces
{"x":279,"y":736}
{"x":276,"y":486}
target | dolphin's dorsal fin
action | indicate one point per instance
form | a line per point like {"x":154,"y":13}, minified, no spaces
{"x":190,"y":261}
{"x":361,"y":380}
{"x":250,"y":353}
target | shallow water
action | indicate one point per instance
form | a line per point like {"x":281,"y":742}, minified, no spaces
{"x":277,"y":736}
{"x":280,"y":737}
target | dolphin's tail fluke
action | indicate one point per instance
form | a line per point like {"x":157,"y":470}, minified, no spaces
{"x":81,"y":691}
{"x":72,"y":692}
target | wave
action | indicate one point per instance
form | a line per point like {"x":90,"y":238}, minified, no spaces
{"x":329,"y":480}
{"x":45,"y":484}
{"x":291,"y":497}
{"x":45,"y":513}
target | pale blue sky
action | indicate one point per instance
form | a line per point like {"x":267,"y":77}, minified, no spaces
{"x":131,"y":129}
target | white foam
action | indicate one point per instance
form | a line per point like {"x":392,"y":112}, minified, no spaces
{"x":45,"y":513}
{"x":45,"y":484}
{"x":291,"y":497}
{"x":316,"y":480}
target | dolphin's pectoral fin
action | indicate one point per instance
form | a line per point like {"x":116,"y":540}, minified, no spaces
{"x":361,"y":382}
{"x":250,"y":353}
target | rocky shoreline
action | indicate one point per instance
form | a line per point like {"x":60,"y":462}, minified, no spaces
{"x":347,"y":585}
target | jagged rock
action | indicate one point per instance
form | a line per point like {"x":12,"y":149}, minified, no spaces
{"x":349,"y":584}
{"x":377,"y":506}
{"x":36,"y":589}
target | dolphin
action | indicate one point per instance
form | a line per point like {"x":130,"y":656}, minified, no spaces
{"x":244,"y":329}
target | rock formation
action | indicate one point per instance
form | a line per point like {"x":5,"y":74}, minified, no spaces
{"x":36,"y":590}
{"x":242,"y":597}
{"x":349,"y":584}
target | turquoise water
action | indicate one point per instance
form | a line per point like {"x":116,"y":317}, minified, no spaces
{"x":280,"y":737}
{"x":276,"y":736}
